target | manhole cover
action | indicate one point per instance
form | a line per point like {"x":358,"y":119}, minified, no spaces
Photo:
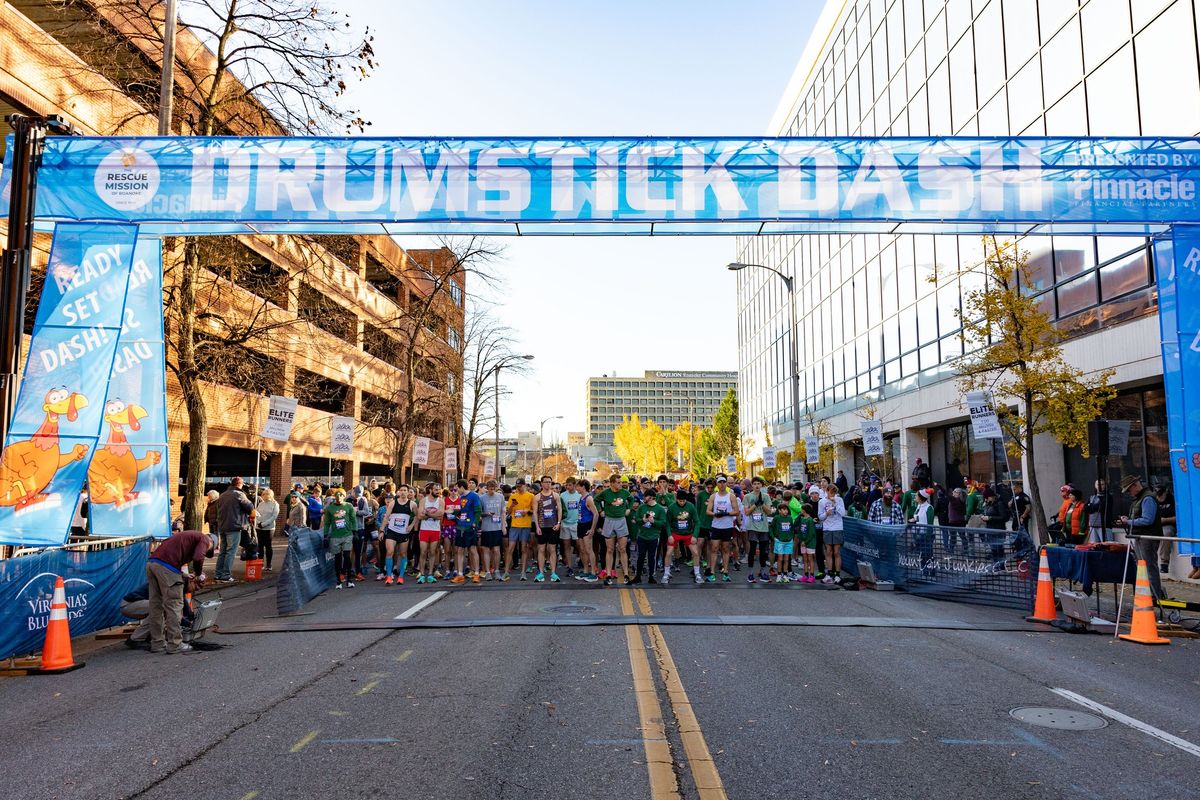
{"x":572,"y":608}
{"x":1063,"y":719}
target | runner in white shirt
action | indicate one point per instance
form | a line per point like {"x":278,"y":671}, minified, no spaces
{"x":831,"y":511}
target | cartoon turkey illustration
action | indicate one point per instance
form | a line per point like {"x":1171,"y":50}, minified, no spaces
{"x":28,"y":466}
{"x":114,"y":471}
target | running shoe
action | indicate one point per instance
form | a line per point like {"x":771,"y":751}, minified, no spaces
{"x":540,"y":577}
{"x":590,"y":578}
{"x":358,"y":576}
{"x":579,"y":576}
{"x":725,"y":577}
{"x":827,"y":579}
{"x":421,"y":579}
{"x":380,"y":576}
{"x":666,"y":578}
{"x":337,"y":585}
{"x":837,"y":579}
{"x":349,"y":584}
{"x":387,"y":581}
{"x":570,"y":572}
{"x":458,"y":579}
{"x":651,"y":580}
{"x":505,"y":578}
{"x":751,"y":578}
{"x":712,"y":578}
{"x":811,"y":579}
{"x":603,"y":575}
{"x":475,"y":578}
{"x":699,"y":578}
{"x":524,"y":577}
{"x":431,"y":579}
{"x":400,"y":579}
{"x":762,"y":576}
{"x":554,"y":577}
{"x":737,"y":565}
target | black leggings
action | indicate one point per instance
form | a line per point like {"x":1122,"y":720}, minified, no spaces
{"x":264,"y":545}
{"x":342,"y":563}
{"x":764,"y":550}
{"x":646,"y":551}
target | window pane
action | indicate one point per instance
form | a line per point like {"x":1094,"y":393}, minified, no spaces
{"x":939,"y":103}
{"x":962,"y":83}
{"x":1073,"y":255}
{"x":1069,"y":116}
{"x":1077,"y":295}
{"x":1040,"y":261}
{"x":1110,"y":247}
{"x":1020,"y":32}
{"x":1052,"y":15}
{"x":989,"y":52}
{"x":1025,"y":95}
{"x":1117,"y":112}
{"x":1105,"y":28}
{"x":1168,"y":85}
{"x":1062,"y":61}
{"x":1125,"y":275}
{"x":993,"y":118}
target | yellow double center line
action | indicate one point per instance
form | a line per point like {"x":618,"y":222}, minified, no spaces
{"x":659,"y":761}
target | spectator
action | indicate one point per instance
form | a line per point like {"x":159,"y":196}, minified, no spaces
{"x":920,"y":475}
{"x":210,"y":511}
{"x":885,"y":511}
{"x":1022,"y":507}
{"x":164,"y":570}
{"x":297,"y":516}
{"x":233,"y":508}
{"x":995,"y":518}
{"x":1074,"y":520}
{"x":842,"y":484}
{"x":1144,"y":519}
{"x":956,"y":508}
{"x":266,"y":514}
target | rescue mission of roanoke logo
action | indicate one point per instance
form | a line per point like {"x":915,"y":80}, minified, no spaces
{"x":127,"y":179}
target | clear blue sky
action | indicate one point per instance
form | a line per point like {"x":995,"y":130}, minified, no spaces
{"x":588,"y":306}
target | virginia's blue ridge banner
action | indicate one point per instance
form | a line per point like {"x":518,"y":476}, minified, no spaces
{"x":95,"y":581}
{"x":59,"y":410}
{"x":1178,"y":278}
{"x":128,"y":485}
{"x":765,"y":184}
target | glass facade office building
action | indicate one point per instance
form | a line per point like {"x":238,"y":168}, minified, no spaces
{"x":871,"y":326}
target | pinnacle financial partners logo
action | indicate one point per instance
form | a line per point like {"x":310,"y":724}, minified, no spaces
{"x":127,"y":179}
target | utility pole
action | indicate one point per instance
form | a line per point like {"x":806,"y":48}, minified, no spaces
{"x":166,"y":95}
{"x":29,"y":142}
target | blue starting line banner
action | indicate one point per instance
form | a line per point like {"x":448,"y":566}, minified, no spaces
{"x":621,"y":185}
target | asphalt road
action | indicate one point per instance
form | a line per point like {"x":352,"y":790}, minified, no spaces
{"x":626,"y":711}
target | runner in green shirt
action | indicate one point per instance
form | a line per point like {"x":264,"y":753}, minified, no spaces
{"x":682,"y":521}
{"x":702,"y":558}
{"x":615,"y":504}
{"x":337,"y":525}
{"x":782,"y":537}
{"x":651,"y":526}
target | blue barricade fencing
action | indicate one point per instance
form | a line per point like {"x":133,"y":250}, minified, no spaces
{"x":96,"y":574}
{"x":974,"y":565}
{"x":307,"y":571}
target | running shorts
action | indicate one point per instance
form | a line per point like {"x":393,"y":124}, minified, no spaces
{"x":722,"y":534}
{"x":834,"y":537}
{"x":547,"y":536}
{"x":615,"y":528}
{"x":570,"y":530}
{"x":518,"y":535}
{"x":340,"y":544}
{"x":466,"y":537}
{"x":491,"y":538}
{"x":682,"y":540}
{"x":703,"y":533}
{"x":783,"y":548}
{"x":758,"y":536}
{"x":431,"y":537}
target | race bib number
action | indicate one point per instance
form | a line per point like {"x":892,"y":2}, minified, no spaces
{"x":757,"y":517}
{"x":548,"y":513}
{"x":573,"y":504}
{"x":398,"y":523}
{"x":495,"y":517}
{"x":518,"y":513}
{"x":620,"y":501}
{"x":339,"y":523}
{"x":451,"y":514}
{"x":682,"y":525}
{"x":786,"y":527}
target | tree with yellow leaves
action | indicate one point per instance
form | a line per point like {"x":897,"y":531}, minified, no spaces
{"x":1012,"y":348}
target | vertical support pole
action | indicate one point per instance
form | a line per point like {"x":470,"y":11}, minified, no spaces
{"x":166,"y":92}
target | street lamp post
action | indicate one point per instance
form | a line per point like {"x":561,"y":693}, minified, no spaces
{"x":795,"y":349}
{"x":504,"y":362}
{"x":542,"y":443}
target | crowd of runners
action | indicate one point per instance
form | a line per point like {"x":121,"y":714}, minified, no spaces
{"x":623,"y":530}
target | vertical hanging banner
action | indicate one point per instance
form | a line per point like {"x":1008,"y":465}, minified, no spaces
{"x":59,"y":411}
{"x":1179,"y":316}
{"x":872,"y":436}
{"x":489,"y":468}
{"x":795,"y":471}
{"x":420,"y":452}
{"x":451,"y":459}
{"x":769,"y":457}
{"x":984,"y":422}
{"x":341,"y":436}
{"x":128,"y":485}
{"x":812,"y":449}
{"x":731,"y":464}
{"x":281,"y":415}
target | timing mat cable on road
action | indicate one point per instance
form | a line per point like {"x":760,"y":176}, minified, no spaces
{"x":553,"y":621}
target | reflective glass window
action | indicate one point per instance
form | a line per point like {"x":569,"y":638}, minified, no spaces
{"x":939,"y":102}
{"x":1068,"y":117}
{"x":895,"y":38}
{"x":1077,"y":295}
{"x":936,"y":46}
{"x":1105,"y":28}
{"x":989,"y":52}
{"x":958,"y":18}
{"x":1020,"y":32}
{"x":1114,"y":112}
{"x":1053,"y":14}
{"x":947,"y":304}
{"x":1110,"y":247}
{"x":1025,"y":95}
{"x":914,"y":22}
{"x":1145,"y":10}
{"x":1125,"y":275}
{"x":993,"y":117}
{"x":1062,"y":62}
{"x":1040,"y":260}
{"x":1168,"y":85}
{"x":879,"y":64}
{"x":962,"y":83}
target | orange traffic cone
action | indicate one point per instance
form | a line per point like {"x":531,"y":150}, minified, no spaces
{"x":1144,"y":629}
{"x":56,"y":654}
{"x":1043,"y":607}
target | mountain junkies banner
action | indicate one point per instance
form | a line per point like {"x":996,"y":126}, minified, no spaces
{"x":704,"y":185}
{"x":60,"y":410}
{"x":95,"y":582}
{"x":128,"y":484}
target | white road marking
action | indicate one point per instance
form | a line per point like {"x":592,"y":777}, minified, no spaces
{"x":1137,"y":725}
{"x":426,"y":603}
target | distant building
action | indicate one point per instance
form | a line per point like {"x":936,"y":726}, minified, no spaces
{"x":669,"y":397}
